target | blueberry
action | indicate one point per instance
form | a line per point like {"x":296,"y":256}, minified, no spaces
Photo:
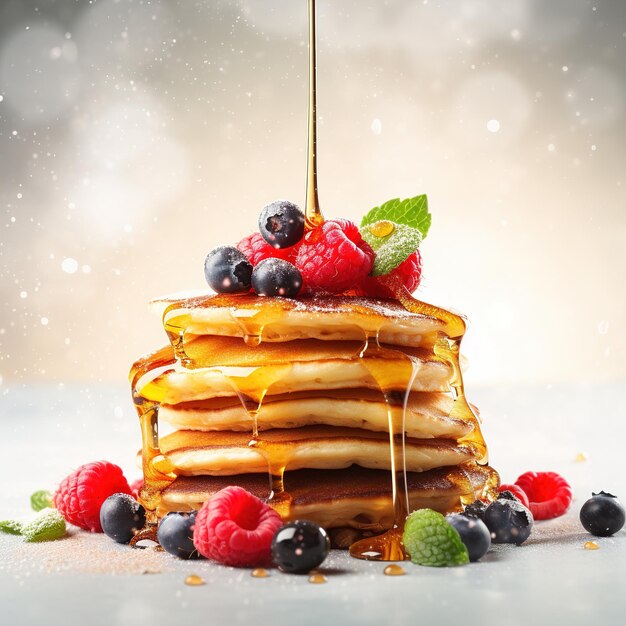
{"x":281,"y":224}
{"x":474,"y":534}
{"x":121,"y":516}
{"x":508,"y":495}
{"x":275,"y":277}
{"x":508,"y":521}
{"x":602,"y":515}
{"x":299,"y":546}
{"x":475,"y":509}
{"x":227,"y":270}
{"x":175,"y":534}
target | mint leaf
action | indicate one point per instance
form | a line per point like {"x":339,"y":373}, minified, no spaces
{"x":10,"y":527}
{"x":41,"y":499}
{"x":411,"y":212}
{"x":392,"y":249}
{"x":47,"y":526}
{"x":431,"y":540}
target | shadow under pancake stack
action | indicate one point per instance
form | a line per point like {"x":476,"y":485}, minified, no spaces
{"x":348,"y":411}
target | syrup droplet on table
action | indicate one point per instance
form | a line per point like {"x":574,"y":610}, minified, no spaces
{"x":317,"y":579}
{"x":394,"y":570}
{"x":581,"y":456}
{"x":259,"y":572}
{"x":193,"y":580}
{"x":591,"y":545}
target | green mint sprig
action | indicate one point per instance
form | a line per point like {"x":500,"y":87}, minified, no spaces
{"x":10,"y":527}
{"x":48,"y":525}
{"x":430,"y":540}
{"x":40,"y":500}
{"x":411,"y":212}
{"x":392,"y":249}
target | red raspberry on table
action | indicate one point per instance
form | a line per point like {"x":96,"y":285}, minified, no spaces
{"x":235,"y":528}
{"x":81,"y":494}
{"x":334,"y":258}
{"x":518,"y":492}
{"x":409,"y":272}
{"x":256,"y":249}
{"x":549,"y":494}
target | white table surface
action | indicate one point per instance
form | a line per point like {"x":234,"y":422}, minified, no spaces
{"x":88,"y":579}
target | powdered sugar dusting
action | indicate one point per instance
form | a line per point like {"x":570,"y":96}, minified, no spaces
{"x":79,"y":551}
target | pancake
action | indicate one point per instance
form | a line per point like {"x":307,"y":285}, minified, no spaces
{"x":428,"y":414}
{"x":311,"y":447}
{"x":318,"y":317}
{"x":213,"y":351}
{"x":354,"y":497}
{"x":173,"y":384}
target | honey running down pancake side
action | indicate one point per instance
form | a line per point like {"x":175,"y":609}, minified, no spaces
{"x":237,"y":368}
{"x":354,"y":497}
{"x":427,"y":414}
{"x":311,"y":447}
{"x":320,"y":317}
{"x":246,"y":362}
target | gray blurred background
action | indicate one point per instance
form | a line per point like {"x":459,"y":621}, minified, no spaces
{"x":135,"y":136}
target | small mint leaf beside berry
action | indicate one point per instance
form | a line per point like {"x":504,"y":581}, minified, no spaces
{"x":430,"y":540}
{"x":10,"y":527}
{"x":48,"y":525}
{"x":393,"y":244}
{"x":40,"y":500}
{"x":411,"y":212}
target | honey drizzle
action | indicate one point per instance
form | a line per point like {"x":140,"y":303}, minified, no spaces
{"x":158,"y":471}
{"x":448,"y":349}
{"x":252,"y":388}
{"x":251,"y":391}
{"x":312,"y":215}
{"x":389,"y":546}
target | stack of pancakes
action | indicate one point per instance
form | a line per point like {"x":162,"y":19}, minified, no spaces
{"x":265,"y":391}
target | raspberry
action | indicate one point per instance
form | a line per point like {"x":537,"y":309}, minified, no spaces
{"x":518,"y":492}
{"x":333,"y":257}
{"x":81,"y":494}
{"x":235,"y":528}
{"x":256,"y":249}
{"x":549,"y":493}
{"x":409,"y":272}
